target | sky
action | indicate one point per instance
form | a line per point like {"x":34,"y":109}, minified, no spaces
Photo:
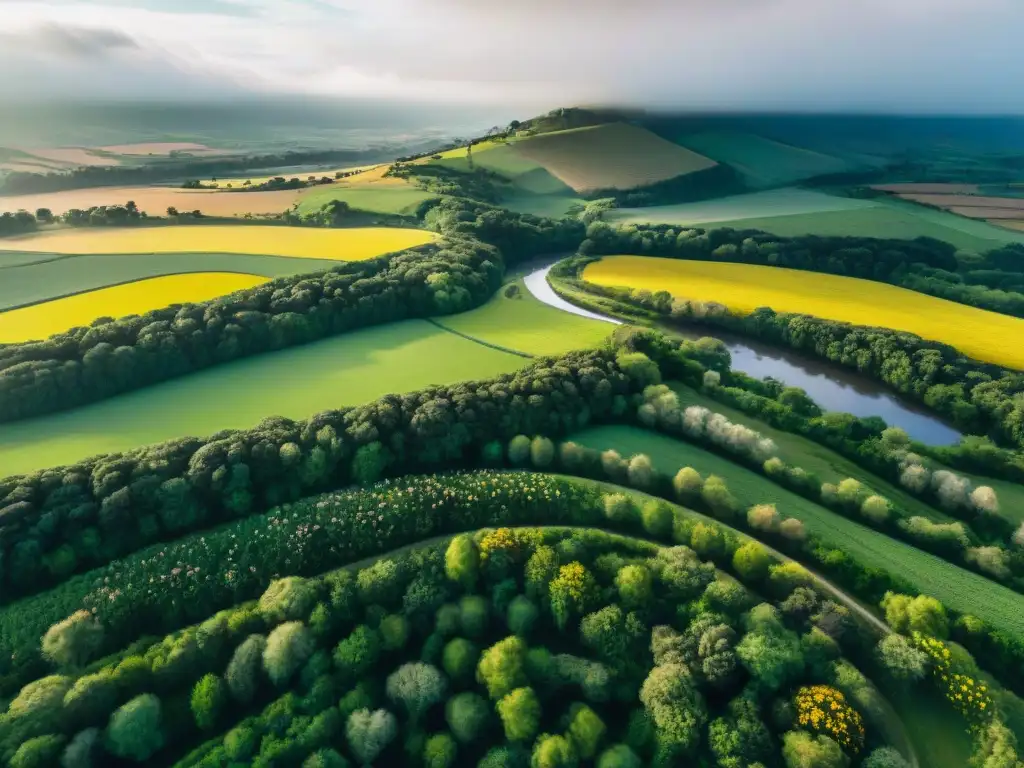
{"x":901,"y":56}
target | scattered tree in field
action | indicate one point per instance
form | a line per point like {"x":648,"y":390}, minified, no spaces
{"x":640,"y":472}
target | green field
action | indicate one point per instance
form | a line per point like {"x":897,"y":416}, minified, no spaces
{"x":763,"y":162}
{"x":550,"y":206}
{"x":51,"y":278}
{"x":957,"y":588}
{"x":527,"y":325}
{"x":777,"y":202}
{"x":346,"y":370}
{"x":397,"y":199}
{"x":888,"y":219}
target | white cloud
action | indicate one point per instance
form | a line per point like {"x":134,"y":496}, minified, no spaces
{"x":906,"y":55}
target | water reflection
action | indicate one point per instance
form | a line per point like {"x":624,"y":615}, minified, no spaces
{"x":834,"y":388}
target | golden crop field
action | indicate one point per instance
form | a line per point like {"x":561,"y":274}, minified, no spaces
{"x":42,"y":320}
{"x":303,"y":242}
{"x":611,"y":156}
{"x":982,"y":335}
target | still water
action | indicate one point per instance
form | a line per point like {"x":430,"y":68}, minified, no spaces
{"x":832,"y":387}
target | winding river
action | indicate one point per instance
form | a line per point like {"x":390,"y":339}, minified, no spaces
{"x":831,"y":386}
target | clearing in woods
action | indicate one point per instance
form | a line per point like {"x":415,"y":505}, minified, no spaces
{"x":611,"y":156}
{"x":41,"y":321}
{"x":346,"y":370}
{"x":304,"y":242}
{"x":986,"y":336}
{"x":957,"y":588}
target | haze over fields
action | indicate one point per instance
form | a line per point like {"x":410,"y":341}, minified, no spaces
{"x":907,"y":55}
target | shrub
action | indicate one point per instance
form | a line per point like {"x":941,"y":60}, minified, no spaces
{"x":134,"y":731}
{"x":91,"y":696}
{"x":619,"y":508}
{"x":708,"y":540}
{"x":717,"y":496}
{"x":614,"y":467}
{"x":74,"y":641}
{"x":502,"y":667}
{"x":289,"y":599}
{"x":520,"y":712}
{"x":38,"y":752}
{"x":792,"y":529}
{"x":540,"y":570}
{"x":467,"y":715}
{"x":995,"y":561}
{"x":901,"y":659}
{"x":439,"y":751}
{"x":459,"y":660}
{"x":522,"y":615}
{"x":875,"y":509}
{"x":984,"y":500}
{"x":635,"y":586}
{"x":288,"y":647}
{"x":657,"y":519}
{"x":763,"y":517}
{"x":519,"y":451}
{"x":640,"y":472}
{"x":393,"y":631}
{"x":416,"y":686}
{"x":824,"y":710}
{"x":688,"y":485}
{"x":462,"y":561}
{"x":542,"y":452}
{"x":208,"y":698}
{"x":369,"y":733}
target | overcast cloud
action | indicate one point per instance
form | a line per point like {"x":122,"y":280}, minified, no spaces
{"x":888,"y":55}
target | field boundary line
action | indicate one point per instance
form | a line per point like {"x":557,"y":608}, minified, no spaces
{"x":481,"y":342}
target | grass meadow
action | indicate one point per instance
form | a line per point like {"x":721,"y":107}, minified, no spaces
{"x":43,"y":278}
{"x":958,"y":589}
{"x":40,"y":321}
{"x":401,"y":199}
{"x":986,"y":336}
{"x":763,"y":162}
{"x":524,"y":324}
{"x":346,"y":370}
{"x":789,"y":201}
{"x":335,"y":244}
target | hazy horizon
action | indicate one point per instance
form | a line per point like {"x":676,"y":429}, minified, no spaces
{"x":946,"y":57}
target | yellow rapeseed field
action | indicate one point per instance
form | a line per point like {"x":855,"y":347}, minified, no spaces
{"x":300,"y":242}
{"x":982,"y":335}
{"x":42,"y":320}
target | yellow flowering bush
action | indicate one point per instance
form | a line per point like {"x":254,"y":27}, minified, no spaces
{"x":970,"y":696}
{"x":824,"y":710}
{"x":516,"y":543}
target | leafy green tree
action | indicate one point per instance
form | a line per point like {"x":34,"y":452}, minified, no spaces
{"x":506,"y":756}
{"x":922,"y":614}
{"x":619,"y":756}
{"x":89,"y":696}
{"x":619,"y":508}
{"x":802,"y":750}
{"x":708,"y":540}
{"x":462,"y":561}
{"x":393,"y":632}
{"x":358,"y":653}
{"x":657,"y":519}
{"x":416,"y":687}
{"x":467,"y":715}
{"x":901,"y":659}
{"x":716,"y":494}
{"x":635,"y":586}
{"x":289,"y":599}
{"x":885,"y":757}
{"x":370,"y":463}
{"x":688,"y":484}
{"x":752,"y":561}
{"x":459,"y":660}
{"x":520,"y":712}
{"x":772,"y":655}
{"x":502,"y":667}
{"x":519,"y":451}
{"x":474,"y":614}
{"x":369,"y":733}
{"x":208,"y":698}
{"x":740,"y":738}
{"x":640,"y":472}
{"x":288,"y":648}
{"x":134,"y":731}
{"x":522,"y":615}
{"x":38,"y":752}
{"x":554,"y":752}
{"x":79,"y":751}
{"x":571,"y":593}
{"x":586,"y":730}
{"x":74,"y":641}
{"x":325,"y":758}
{"x":40,"y":703}
{"x":542,"y":452}
{"x":440,"y":751}
{"x":540,"y":571}
{"x":380,"y":583}
{"x":676,"y":708}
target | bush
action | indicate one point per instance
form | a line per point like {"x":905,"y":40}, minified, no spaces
{"x":39,"y":752}
{"x":619,"y":508}
{"x":519,"y":451}
{"x":134,"y":731}
{"x":459,"y":660}
{"x":875,"y":509}
{"x":462,"y":561}
{"x":440,"y":751}
{"x":502,"y":667}
{"x":752,"y":561}
{"x":522,"y":615}
{"x":208,"y":698}
{"x":922,"y":614}
{"x":763,"y":517}
{"x":74,"y":641}
{"x":586,"y":730}
{"x":542,"y":452}
{"x":901,"y":659}
{"x":640,"y":472}
{"x":369,"y":733}
{"x":467,"y":715}
{"x":885,"y":757}
{"x":520,"y":712}
{"x":688,"y":485}
{"x":635,"y":586}
{"x":79,"y":751}
{"x":356,"y":654}
{"x":792,"y":529}
{"x":657,"y":519}
{"x":288,"y":647}
{"x":716,"y":495}
{"x":289,"y":599}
